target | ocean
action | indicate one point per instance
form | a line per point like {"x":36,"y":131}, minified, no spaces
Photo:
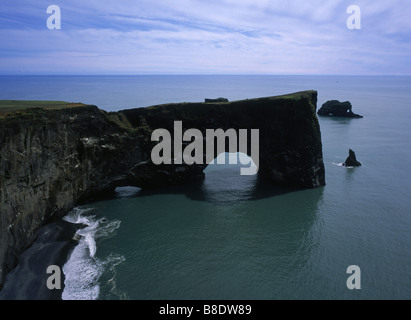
{"x":236,"y":237}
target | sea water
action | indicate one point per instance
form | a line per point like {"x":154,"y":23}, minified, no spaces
{"x":236,"y":237}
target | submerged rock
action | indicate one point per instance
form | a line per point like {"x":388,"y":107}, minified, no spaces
{"x":338,"y":109}
{"x":352,"y":160}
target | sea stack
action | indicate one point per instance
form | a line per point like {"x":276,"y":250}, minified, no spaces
{"x":338,"y":109}
{"x":352,"y":160}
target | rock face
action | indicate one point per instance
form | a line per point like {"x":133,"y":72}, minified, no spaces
{"x":352,"y":160}
{"x":338,"y":109}
{"x":51,"y":160}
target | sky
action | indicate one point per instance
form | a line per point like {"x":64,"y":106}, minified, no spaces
{"x":135,"y":37}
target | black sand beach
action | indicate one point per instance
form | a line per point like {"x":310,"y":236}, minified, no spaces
{"x":27,"y":281}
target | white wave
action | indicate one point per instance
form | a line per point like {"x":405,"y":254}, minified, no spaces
{"x":341,"y":164}
{"x":91,"y":244}
{"x":83,"y":269}
{"x":81,"y":274}
{"x":112,"y":262}
{"x":76,"y":215}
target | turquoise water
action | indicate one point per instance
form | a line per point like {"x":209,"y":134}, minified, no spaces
{"x":233,"y":236}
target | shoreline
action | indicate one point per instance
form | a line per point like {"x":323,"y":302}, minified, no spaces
{"x":52,"y":246}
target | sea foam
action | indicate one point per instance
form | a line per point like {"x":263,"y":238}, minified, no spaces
{"x":83,"y":269}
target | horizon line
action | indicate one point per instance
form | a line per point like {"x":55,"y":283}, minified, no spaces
{"x":203,"y":75}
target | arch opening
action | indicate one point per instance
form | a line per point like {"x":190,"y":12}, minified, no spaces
{"x":223,"y":182}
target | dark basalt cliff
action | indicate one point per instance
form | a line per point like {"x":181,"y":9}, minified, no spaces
{"x":50,"y":160}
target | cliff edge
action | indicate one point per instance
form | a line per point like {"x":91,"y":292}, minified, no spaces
{"x":53,"y":158}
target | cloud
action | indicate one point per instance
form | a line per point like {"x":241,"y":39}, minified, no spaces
{"x":192,"y":36}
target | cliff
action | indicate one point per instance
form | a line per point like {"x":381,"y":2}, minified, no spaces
{"x":52,"y":159}
{"x":48,"y":162}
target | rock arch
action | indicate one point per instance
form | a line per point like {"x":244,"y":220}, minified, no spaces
{"x":290,"y":150}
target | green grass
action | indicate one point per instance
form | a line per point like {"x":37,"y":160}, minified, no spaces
{"x":23,"y":106}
